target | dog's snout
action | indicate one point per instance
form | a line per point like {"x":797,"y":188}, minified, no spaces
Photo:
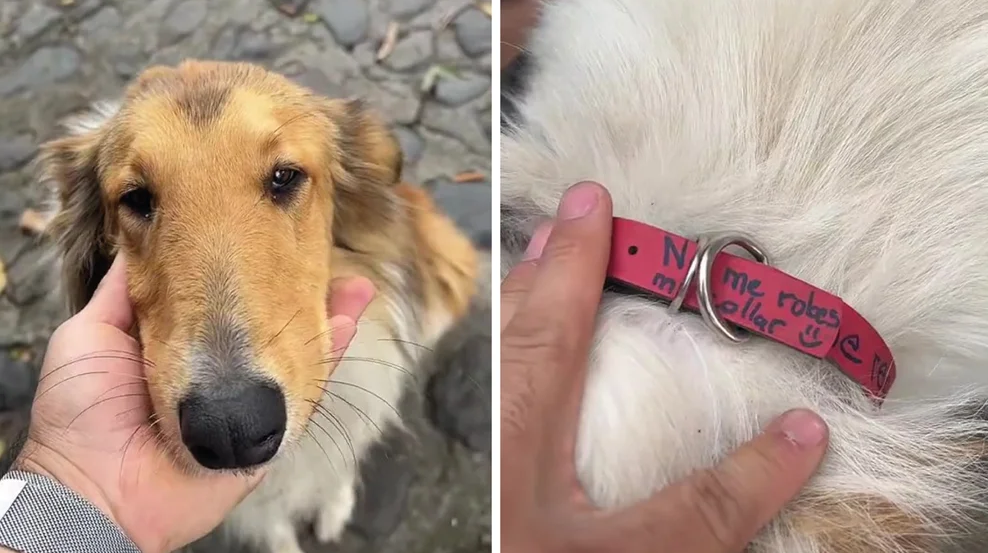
{"x":234,"y":426}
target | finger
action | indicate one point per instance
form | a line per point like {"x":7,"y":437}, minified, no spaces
{"x":350,"y":296}
{"x":721,"y":510}
{"x":110,"y":303}
{"x":544,"y":348}
{"x":550,"y":333}
{"x":570,"y":279}
{"x":515,"y":286}
{"x":348,"y":300}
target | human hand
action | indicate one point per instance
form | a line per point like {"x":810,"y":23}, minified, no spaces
{"x":548,"y":305}
{"x":91,"y":426}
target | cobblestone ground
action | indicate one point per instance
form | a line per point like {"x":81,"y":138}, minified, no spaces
{"x":429,"y":492}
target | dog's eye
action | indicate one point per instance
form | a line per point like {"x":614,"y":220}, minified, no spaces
{"x":284,"y":180}
{"x":283,"y":177}
{"x":139,"y":201}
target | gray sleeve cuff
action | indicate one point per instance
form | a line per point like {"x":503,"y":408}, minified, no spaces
{"x":44,"y":516}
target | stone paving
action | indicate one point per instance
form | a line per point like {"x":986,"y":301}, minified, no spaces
{"x":425,"y":64}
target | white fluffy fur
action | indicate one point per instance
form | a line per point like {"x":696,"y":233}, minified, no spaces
{"x":850,"y":138}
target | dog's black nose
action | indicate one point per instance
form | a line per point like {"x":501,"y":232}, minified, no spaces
{"x":231,"y":426}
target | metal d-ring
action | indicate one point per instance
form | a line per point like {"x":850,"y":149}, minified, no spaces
{"x":707,"y":249}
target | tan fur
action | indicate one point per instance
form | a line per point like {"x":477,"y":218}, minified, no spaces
{"x":838,"y":525}
{"x":203,"y":137}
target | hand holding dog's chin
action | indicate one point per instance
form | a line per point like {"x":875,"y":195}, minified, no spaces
{"x":90,"y":426}
{"x":548,"y":305}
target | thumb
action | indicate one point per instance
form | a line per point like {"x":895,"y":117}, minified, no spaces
{"x":720,"y":510}
{"x":515,"y":287}
{"x":110,"y":303}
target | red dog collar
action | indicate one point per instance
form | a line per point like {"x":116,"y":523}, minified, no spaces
{"x":756,"y":297}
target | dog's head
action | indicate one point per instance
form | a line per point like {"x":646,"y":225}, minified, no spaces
{"x":229,"y":188}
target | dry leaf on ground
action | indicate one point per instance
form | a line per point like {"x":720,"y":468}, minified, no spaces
{"x":390,"y":39}
{"x":433,"y":74}
{"x":33,"y":222}
{"x":3,"y":277}
{"x":288,"y":8}
{"x":469,"y":176}
{"x":22,"y":354}
{"x":450,"y":15}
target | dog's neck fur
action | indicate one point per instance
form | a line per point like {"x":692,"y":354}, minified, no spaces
{"x":848,"y":139}
{"x":424,"y":292}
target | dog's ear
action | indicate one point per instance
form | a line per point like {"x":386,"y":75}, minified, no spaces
{"x":374,"y":212}
{"x":444,"y":254}
{"x":369,"y":165}
{"x":70,"y":166}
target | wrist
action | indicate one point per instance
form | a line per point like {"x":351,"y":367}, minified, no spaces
{"x":42,"y":515}
{"x":38,"y":459}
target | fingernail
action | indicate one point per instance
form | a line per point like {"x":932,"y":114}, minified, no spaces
{"x":355,"y":286}
{"x":579,"y":200}
{"x":340,"y":322}
{"x":802,"y":427}
{"x":539,"y":239}
{"x":366,"y":288}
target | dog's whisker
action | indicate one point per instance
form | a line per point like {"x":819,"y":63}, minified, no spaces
{"x":476,"y":384}
{"x":277,"y":334}
{"x":110,"y":389}
{"x":151,"y":437}
{"x":164,"y":343}
{"x":100,"y":402}
{"x":87,"y":373}
{"x":372,"y":360}
{"x":517,"y":47}
{"x":99,"y":397}
{"x":129,"y":411}
{"x":361,"y":414}
{"x":338,"y":425}
{"x":361,"y":388}
{"x":407,"y":342}
{"x":336,"y":422}
{"x":317,"y":336}
{"x":358,"y":323}
{"x":125,"y":449}
{"x":326,"y":432}
{"x":320,"y":335}
{"x":319,"y":445}
{"x":277,"y":132}
{"x":364,"y":417}
{"x":104,"y":354}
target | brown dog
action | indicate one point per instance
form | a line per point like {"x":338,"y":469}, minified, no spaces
{"x":237,"y":196}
